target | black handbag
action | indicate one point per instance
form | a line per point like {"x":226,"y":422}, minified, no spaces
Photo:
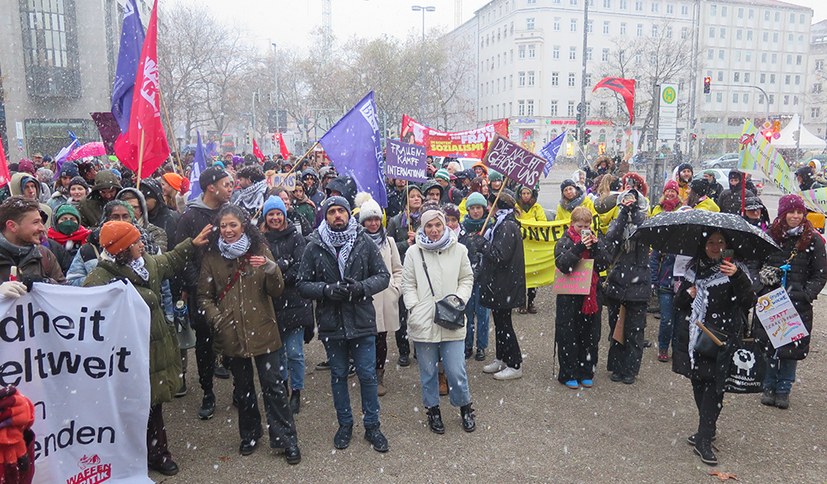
{"x":747,"y":366}
{"x":707,"y":348}
{"x":450,"y":310}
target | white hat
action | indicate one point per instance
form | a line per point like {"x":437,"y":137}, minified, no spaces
{"x":369,"y":209}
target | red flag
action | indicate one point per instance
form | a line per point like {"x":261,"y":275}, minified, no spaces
{"x":257,"y":151}
{"x":624,"y":87}
{"x":145,"y":124}
{"x":5,"y":176}
{"x":282,"y":146}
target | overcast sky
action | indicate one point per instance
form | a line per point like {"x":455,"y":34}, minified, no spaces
{"x":286,"y":22}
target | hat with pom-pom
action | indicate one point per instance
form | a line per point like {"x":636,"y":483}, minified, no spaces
{"x":789,"y":203}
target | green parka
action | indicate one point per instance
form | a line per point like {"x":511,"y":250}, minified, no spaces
{"x":164,"y":355}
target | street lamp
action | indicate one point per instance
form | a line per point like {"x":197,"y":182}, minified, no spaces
{"x":423,"y":9}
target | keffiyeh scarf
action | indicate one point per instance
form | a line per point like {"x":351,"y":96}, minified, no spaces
{"x":434,"y":245}
{"x":339,"y":243}
{"x":500,"y":215}
{"x":234,"y":250}
{"x":252,"y":197}
{"x":139,"y":267}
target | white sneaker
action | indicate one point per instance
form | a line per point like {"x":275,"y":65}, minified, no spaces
{"x":494,"y":367}
{"x":509,"y":373}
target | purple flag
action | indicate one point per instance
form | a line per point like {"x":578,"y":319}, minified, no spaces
{"x":354,"y":147}
{"x":199,"y":164}
{"x":549,"y":151}
{"x":132,"y":40}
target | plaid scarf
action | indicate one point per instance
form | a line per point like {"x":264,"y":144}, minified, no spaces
{"x":339,"y":243}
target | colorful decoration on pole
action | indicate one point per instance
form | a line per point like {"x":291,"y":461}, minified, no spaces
{"x":471,"y":143}
{"x":405,"y":161}
{"x":624,"y":87}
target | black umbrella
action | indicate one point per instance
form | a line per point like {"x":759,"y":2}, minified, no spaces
{"x":682,"y":232}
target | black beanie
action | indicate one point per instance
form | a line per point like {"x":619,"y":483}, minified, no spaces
{"x":210,"y":176}
{"x":700,"y":187}
{"x":567,"y":183}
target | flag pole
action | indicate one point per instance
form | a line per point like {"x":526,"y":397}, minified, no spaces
{"x":174,"y":140}
{"x":140,"y":160}
{"x":493,"y":206}
{"x":298,"y":162}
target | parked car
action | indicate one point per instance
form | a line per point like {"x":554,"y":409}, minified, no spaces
{"x":728,"y":160}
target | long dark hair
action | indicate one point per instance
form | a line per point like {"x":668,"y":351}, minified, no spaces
{"x":779,"y":229}
{"x":256,"y":239}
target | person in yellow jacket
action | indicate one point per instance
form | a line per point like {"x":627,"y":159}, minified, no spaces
{"x":670,"y":201}
{"x":572,"y":197}
{"x":528,"y":210}
{"x":698,"y":198}
{"x":683,"y":175}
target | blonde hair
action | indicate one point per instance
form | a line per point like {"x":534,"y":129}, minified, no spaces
{"x":581,"y":214}
{"x":605,"y":186}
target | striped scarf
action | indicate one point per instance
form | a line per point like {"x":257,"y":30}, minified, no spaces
{"x":339,"y":243}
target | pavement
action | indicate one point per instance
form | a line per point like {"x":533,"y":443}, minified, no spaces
{"x":528,"y":430}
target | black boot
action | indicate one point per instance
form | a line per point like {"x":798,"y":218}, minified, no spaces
{"x":703,"y":447}
{"x":207,"y":406}
{"x":376,"y":438}
{"x":296,"y":401}
{"x":768,"y":398}
{"x":435,"y":420}
{"x":468,"y":419}
{"x":342,"y":438}
{"x":782,"y":400}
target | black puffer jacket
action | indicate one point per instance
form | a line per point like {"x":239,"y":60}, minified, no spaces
{"x":197,"y":216}
{"x":292,"y":311}
{"x":398,"y":230}
{"x":502,"y":270}
{"x":629,"y":277}
{"x":567,"y":255}
{"x":730,"y":200}
{"x":727,"y":308}
{"x":475,"y":243}
{"x":343,"y":319}
{"x":805,"y":280}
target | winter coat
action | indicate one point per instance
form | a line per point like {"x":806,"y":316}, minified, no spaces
{"x":197,"y":216}
{"x":726,"y":312}
{"x":534,"y":214}
{"x":15,"y":186}
{"x":339,"y":320}
{"x":156,"y":234}
{"x":306,"y":210}
{"x":396,"y":201}
{"x":730,"y":201}
{"x":91,"y":207}
{"x":567,"y":255}
{"x":708,"y":205}
{"x":34,"y":261}
{"x":564,"y":213}
{"x":164,"y":355}
{"x":398,"y":230}
{"x":502,"y":271}
{"x":628,"y":278}
{"x":805,"y":280}
{"x":244,"y":321}
{"x":386,"y":303}
{"x":165,"y":218}
{"x":475,"y":243}
{"x":450,"y":273}
{"x":287,"y":247}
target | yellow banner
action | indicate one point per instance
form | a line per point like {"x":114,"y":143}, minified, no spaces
{"x":539,"y":239}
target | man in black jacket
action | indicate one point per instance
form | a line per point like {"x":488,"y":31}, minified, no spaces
{"x":341,"y":269}
{"x":217,"y":186}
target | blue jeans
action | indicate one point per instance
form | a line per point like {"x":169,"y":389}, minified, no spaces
{"x":780,"y":375}
{"x":453,"y":361}
{"x":291,"y":356}
{"x":363,"y":352}
{"x":666,"y":298}
{"x":474,"y":308}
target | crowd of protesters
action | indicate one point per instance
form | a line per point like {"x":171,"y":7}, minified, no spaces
{"x":264,"y":268}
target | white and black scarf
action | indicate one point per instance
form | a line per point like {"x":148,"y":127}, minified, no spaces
{"x":139,"y":267}
{"x":252,"y":197}
{"x":379,"y":238}
{"x":500,"y":216}
{"x":339,"y":243}
{"x":433,"y":245}
{"x":234,"y":250}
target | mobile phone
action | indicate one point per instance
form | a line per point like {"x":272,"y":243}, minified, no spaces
{"x":727,"y":254}
{"x":585,"y":233}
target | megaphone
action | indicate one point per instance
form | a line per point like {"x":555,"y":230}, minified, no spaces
{"x":186,"y":335}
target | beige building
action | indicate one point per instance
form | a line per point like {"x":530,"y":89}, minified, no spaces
{"x":815,"y":112}
{"x":57,"y":62}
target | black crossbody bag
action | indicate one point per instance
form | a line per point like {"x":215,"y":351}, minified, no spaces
{"x":450,"y":310}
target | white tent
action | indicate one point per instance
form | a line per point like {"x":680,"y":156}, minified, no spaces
{"x":808,"y":140}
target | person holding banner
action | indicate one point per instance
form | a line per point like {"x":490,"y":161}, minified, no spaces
{"x":123,"y":258}
{"x":528,"y":210}
{"x":577,"y":320}
{"x":717,"y":293}
{"x":803,"y":265}
{"x":238,"y":279}
{"x":502,"y":285}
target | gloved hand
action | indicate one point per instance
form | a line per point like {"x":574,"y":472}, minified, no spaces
{"x":283,"y":264}
{"x":308,"y":334}
{"x":18,"y":417}
{"x":28,"y":281}
{"x":335,"y":292}
{"x":12,"y":289}
{"x":355,"y":288}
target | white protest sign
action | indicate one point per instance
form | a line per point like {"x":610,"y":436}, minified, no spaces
{"x":81,"y":355}
{"x":779,"y":318}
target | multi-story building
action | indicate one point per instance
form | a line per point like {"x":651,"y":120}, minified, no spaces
{"x":57,"y":62}
{"x":529,"y":62}
{"x":815,"y":111}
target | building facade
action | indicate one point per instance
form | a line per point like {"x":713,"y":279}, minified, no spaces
{"x":57,"y":62}
{"x":530,"y":53}
{"x":815,"y":112}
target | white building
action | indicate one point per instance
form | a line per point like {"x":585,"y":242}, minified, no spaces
{"x":529,"y":61}
{"x":815,"y":112}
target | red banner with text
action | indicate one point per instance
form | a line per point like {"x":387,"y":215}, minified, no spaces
{"x":472,"y":143}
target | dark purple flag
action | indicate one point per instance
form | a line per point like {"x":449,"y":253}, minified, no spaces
{"x":132,"y":40}
{"x":108,"y":129}
{"x":354,"y":147}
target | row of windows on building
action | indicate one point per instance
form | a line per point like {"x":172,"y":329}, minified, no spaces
{"x":530,"y":52}
{"x":528,"y":79}
{"x":766,"y":57}
{"x":786,"y":99}
{"x":741,"y":34}
{"x":670,"y":8}
{"x":769,"y":15}
{"x":622,"y":29}
{"x":763,"y":78}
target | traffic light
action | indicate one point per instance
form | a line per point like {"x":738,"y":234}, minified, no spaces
{"x":707,"y":84}
{"x":587,"y":136}
{"x":247,"y":138}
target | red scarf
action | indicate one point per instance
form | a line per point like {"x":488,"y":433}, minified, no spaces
{"x":78,"y":236}
{"x":589,"y":302}
{"x":669,"y":205}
